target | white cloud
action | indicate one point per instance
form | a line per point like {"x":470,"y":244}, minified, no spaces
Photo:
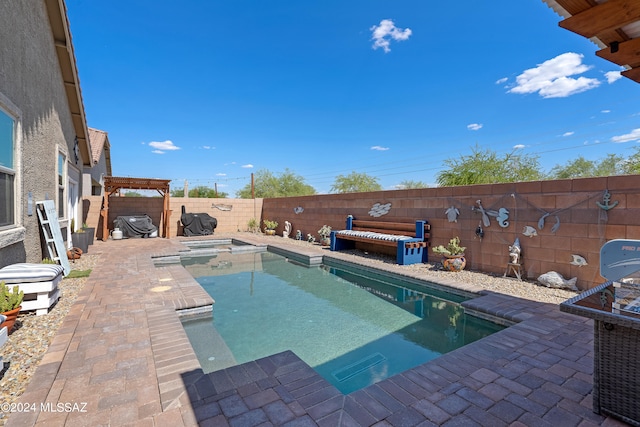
{"x":551,"y":79}
{"x":501,"y":81}
{"x":518,"y":147}
{"x":221,"y":174}
{"x":208,"y":147}
{"x":612,"y":76}
{"x":605,"y":111}
{"x":387,"y":31}
{"x":163,"y":146}
{"x":379,"y":148}
{"x":634,"y":135}
{"x":158,"y":152}
{"x":568,"y":133}
{"x":247,"y":166}
{"x":475,"y":126}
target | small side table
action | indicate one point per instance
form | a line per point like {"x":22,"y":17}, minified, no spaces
{"x":515,"y":268}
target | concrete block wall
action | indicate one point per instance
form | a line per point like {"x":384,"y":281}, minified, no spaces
{"x":583,"y":229}
{"x":235,"y":219}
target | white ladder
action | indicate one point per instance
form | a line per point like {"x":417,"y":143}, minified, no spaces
{"x":48,"y":216}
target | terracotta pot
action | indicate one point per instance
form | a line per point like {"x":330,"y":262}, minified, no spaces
{"x":325,"y":241}
{"x":74,"y":253}
{"x":454,"y":262}
{"x":12,"y":315}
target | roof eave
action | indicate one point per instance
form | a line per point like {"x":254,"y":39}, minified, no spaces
{"x":57,"y":12}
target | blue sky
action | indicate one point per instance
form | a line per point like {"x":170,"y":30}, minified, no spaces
{"x":210,"y":91}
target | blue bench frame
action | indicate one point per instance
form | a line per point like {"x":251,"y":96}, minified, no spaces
{"x":408,"y":251}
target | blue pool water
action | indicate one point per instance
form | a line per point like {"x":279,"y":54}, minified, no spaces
{"x":352,"y":329}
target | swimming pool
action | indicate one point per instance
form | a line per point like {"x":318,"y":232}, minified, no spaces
{"x":354,"y":330}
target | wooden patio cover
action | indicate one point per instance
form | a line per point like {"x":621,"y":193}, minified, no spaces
{"x":113,"y":184}
{"x":613,"y":25}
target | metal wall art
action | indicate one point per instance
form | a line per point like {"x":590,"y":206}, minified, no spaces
{"x":452,"y":214}
{"x":222,"y":207}
{"x":529,"y":231}
{"x":298,"y":210}
{"x":543,"y":217}
{"x":606,"y":202}
{"x":378,"y":209}
{"x":578,"y":260}
{"x":501,"y":215}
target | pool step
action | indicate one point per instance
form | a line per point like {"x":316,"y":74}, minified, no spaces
{"x":361,"y":365}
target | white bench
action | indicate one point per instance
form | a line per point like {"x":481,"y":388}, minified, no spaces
{"x":3,"y":333}
{"x":39,"y":282}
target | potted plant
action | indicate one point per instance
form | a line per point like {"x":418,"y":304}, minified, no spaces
{"x":270,"y":227}
{"x":324,"y":233}
{"x":453,"y":254}
{"x":83,"y":237}
{"x":90,"y":231}
{"x":10,"y":304}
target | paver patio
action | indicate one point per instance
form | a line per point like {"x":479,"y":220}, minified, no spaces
{"x":122,"y":358}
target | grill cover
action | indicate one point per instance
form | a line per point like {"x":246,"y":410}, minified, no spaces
{"x":197,"y":224}
{"x":135,"y":225}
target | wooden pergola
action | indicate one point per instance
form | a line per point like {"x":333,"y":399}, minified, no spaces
{"x":613,"y":25}
{"x":113,"y":184}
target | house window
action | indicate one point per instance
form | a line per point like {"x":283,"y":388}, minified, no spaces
{"x":7,"y":171}
{"x":62,"y":180}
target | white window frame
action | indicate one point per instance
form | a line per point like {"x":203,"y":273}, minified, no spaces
{"x":14,"y":233}
{"x":61,"y":185}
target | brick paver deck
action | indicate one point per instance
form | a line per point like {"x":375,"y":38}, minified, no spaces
{"x":122,"y":358}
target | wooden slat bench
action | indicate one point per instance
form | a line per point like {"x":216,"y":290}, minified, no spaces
{"x":409,"y":250}
{"x":39,"y":282}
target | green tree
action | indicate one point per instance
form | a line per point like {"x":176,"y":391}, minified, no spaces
{"x":577,"y":168}
{"x":201,"y":191}
{"x":132,"y":194}
{"x":408,"y":184}
{"x":355,"y":183}
{"x":610,"y":165}
{"x":486,"y":167}
{"x":580,"y":167}
{"x":268,"y":185}
{"x":631,"y":165}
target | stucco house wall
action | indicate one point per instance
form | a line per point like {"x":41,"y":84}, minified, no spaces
{"x":32,"y":92}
